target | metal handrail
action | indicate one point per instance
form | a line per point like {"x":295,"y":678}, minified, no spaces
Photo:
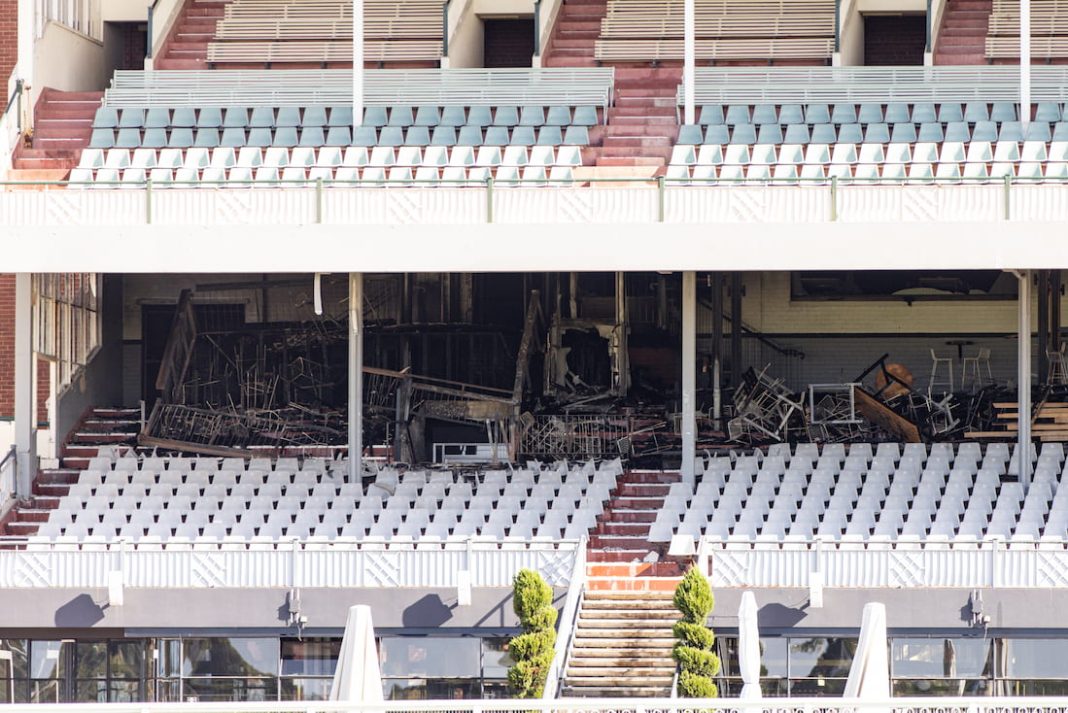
{"x":148,"y":43}
{"x":445,"y":28}
{"x":16,"y":97}
{"x":537,"y":28}
{"x":12,"y":454}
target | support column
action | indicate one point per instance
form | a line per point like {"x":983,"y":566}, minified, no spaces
{"x":1023,"y":400}
{"x":25,"y":415}
{"x":357,"y":62}
{"x":355,"y":377}
{"x":1043,"y":326}
{"x":689,"y":60}
{"x":27,"y":37}
{"x":1025,"y":63}
{"x":689,"y":372}
{"x":736,"y":328}
{"x":1055,"y":310}
{"x":623,"y":361}
{"x":717,"y":347}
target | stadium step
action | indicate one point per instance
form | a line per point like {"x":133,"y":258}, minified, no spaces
{"x":63,"y":123}
{"x":962,"y":38}
{"x":622,"y":644}
{"x":578,"y":25}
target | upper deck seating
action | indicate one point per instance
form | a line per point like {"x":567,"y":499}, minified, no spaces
{"x":271,"y":32}
{"x":971,"y":141}
{"x":1049,"y":31}
{"x":211,"y":499}
{"x":870,"y":492}
{"x":261,"y":145}
{"x":726,"y":31}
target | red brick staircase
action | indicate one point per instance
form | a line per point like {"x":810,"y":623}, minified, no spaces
{"x":578,"y":25}
{"x":186,"y":47}
{"x":962,"y":39}
{"x":63,"y":124}
{"x":619,"y":545}
{"x":101,"y":427}
{"x":642,"y":126}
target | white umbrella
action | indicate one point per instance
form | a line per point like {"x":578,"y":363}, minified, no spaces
{"x":749,"y":647}
{"x":357,"y":677}
{"x":869,"y":676}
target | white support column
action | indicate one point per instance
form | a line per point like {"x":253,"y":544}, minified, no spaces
{"x":689,"y":59}
{"x":355,"y":377}
{"x":25,"y":418}
{"x":689,"y":372}
{"x":26,"y":38}
{"x":1025,"y":63}
{"x":1023,"y":400}
{"x":357,"y":62}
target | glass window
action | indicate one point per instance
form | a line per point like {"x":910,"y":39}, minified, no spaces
{"x":429,"y":656}
{"x":126,"y":659}
{"x":941,"y":687}
{"x":495,"y":658}
{"x":941,"y":658}
{"x":90,"y":660}
{"x":230,"y":657}
{"x":44,"y":659}
{"x":1034,"y":658}
{"x":434,"y":688}
{"x":230,"y":689}
{"x":310,"y":657}
{"x":306,"y":689}
{"x":825,"y":657}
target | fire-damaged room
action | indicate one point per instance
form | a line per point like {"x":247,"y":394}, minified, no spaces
{"x":500,"y":368}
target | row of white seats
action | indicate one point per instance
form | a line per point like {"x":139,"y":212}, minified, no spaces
{"x":352,"y":157}
{"x":871,"y":172}
{"x":820,"y":154}
{"x":311,"y":542}
{"x":265,"y":176}
{"x":415,"y":524}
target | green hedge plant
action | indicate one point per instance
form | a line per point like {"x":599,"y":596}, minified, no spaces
{"x":533,"y":649}
{"x":694,"y":641}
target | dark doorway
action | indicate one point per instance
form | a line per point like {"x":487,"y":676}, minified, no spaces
{"x":156,"y":321}
{"x":508,"y":43}
{"x":125,"y":44}
{"x":894,"y":40}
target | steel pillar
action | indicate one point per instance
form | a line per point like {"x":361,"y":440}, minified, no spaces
{"x":25,"y":417}
{"x":689,"y":372}
{"x":689,"y":59}
{"x":1023,"y":400}
{"x":357,"y":62}
{"x":355,"y":377}
{"x":1025,"y":63}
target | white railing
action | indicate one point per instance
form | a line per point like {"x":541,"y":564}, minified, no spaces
{"x":935,"y":10}
{"x":10,"y":123}
{"x":568,"y":619}
{"x":462,"y":86}
{"x":626,"y":201}
{"x":994,"y":563}
{"x":782,"y":85}
{"x":79,"y":15}
{"x":283,"y":564}
{"x":934,"y":704}
{"x":8,"y":475}
{"x":162,"y":14}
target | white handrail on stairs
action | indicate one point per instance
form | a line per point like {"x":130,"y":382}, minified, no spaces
{"x":568,"y":620}
{"x":936,"y":8}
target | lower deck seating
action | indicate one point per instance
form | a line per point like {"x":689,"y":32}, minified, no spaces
{"x":205,"y":499}
{"x":884,"y":492}
{"x":873,"y":142}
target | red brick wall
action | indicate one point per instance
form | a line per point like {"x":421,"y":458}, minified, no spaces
{"x":8,"y":40}
{"x":7,"y":343}
{"x":44,"y":378}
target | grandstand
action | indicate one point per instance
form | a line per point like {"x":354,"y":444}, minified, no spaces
{"x":319,"y":303}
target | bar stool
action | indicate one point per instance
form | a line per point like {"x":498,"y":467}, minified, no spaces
{"x":938,"y":381}
{"x":1058,"y":368}
{"x":974,"y":366}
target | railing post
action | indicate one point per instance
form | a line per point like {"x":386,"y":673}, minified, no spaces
{"x":661,"y":198}
{"x":319,"y":200}
{"x":537,"y":28}
{"x":838,"y":25}
{"x":489,"y":199}
{"x":834,"y":198}
{"x":1007,"y":197}
{"x":445,"y":28}
{"x":930,"y":29}
{"x":148,"y":31}
{"x":148,"y":201}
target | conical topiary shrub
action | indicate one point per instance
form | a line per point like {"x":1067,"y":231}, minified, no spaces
{"x":532,"y":650}
{"x":698,"y":663}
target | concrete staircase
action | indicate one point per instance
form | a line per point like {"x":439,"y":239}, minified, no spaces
{"x":642,"y":125}
{"x":186,"y":47}
{"x":578,"y":25}
{"x":962,"y":39}
{"x":622,"y":646}
{"x":101,"y":427}
{"x":63,"y":124}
